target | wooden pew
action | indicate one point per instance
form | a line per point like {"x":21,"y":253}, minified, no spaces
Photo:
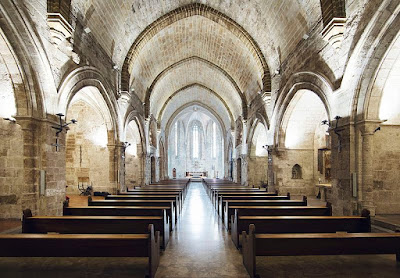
{"x":162,"y":187}
{"x":229,"y":192}
{"x":175,"y":198}
{"x":223,"y":198}
{"x":87,"y":245}
{"x":121,"y":211}
{"x":300,"y":224}
{"x":155,"y":192}
{"x":228,"y":210}
{"x":340,"y":243}
{"x":213,"y":190}
{"x":95,"y":225}
{"x":131,"y":203}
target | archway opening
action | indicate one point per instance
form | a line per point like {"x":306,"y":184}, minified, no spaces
{"x":306,"y":143}
{"x":88,"y":158}
{"x":258,"y":159}
{"x":133,"y":156}
{"x":195,"y":144}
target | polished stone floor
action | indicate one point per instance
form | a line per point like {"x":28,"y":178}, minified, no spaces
{"x":200,"y":247}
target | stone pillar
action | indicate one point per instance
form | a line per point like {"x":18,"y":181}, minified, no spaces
{"x":147,"y":169}
{"x":121,"y":149}
{"x":245,"y":178}
{"x":367,"y":168}
{"x":29,"y":190}
{"x":271,"y":179}
{"x":114,"y":150}
{"x":43,"y":160}
{"x":157,"y":168}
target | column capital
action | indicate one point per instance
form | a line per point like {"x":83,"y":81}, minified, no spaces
{"x":368,"y":127}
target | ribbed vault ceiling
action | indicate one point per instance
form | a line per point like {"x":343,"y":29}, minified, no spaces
{"x":194,"y":94}
{"x":195,"y":72}
{"x":226,"y":47}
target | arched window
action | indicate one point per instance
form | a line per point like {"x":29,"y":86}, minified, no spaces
{"x":296,"y":172}
{"x":176,"y":138}
{"x":214,"y":146}
{"x":195,"y":131}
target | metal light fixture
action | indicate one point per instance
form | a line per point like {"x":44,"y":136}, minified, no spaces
{"x":326,"y":122}
{"x":60,"y":127}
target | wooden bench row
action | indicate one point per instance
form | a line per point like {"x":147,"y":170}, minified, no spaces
{"x":171,"y":212}
{"x":299,"y":224}
{"x":340,"y":243}
{"x":231,"y":205}
{"x":96,"y":225}
{"x":87,"y":245}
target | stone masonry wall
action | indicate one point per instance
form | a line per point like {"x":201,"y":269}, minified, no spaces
{"x":284,"y":163}
{"x":386,"y":174}
{"x":257,"y":170}
{"x":11,"y":169}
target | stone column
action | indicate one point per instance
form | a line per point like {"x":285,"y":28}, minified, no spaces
{"x":271,"y":182}
{"x":114,"y":150}
{"x":157,"y":168}
{"x":42,"y":159}
{"x":367,"y":169}
{"x":245,"y":178}
{"x":121,"y":149}
{"x":29,"y":189}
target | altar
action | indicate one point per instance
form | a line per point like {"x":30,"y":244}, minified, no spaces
{"x":196,"y":174}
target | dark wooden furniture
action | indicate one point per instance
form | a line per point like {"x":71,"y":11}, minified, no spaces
{"x":300,"y":224}
{"x":121,"y":211}
{"x":88,"y":245}
{"x":154,"y":192}
{"x":174,"y":198}
{"x":95,"y":225}
{"x":217,"y":193}
{"x":340,"y":243}
{"x":151,"y":203}
{"x":245,"y":197}
{"x":228,"y":211}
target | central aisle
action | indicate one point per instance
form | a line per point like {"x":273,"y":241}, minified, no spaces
{"x":200,"y":246}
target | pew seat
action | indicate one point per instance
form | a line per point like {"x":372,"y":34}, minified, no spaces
{"x":151,"y":203}
{"x":84,"y":245}
{"x":120,"y":211}
{"x":340,"y":243}
{"x":95,"y":225}
{"x":300,"y":224}
{"x":228,"y":211}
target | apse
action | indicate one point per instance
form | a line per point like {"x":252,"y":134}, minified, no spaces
{"x":195,"y":144}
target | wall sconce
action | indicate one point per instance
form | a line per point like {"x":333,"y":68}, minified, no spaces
{"x":326,"y":122}
{"x":125,"y":145}
{"x":60,"y":127}
{"x":11,"y":119}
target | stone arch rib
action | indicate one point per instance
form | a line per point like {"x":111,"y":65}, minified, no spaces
{"x":165,"y":71}
{"x":188,"y":11}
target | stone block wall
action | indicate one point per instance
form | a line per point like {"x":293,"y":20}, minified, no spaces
{"x":283,"y":165}
{"x":11,"y":169}
{"x":257,"y":170}
{"x":133,"y":171}
{"x":386,"y":174}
